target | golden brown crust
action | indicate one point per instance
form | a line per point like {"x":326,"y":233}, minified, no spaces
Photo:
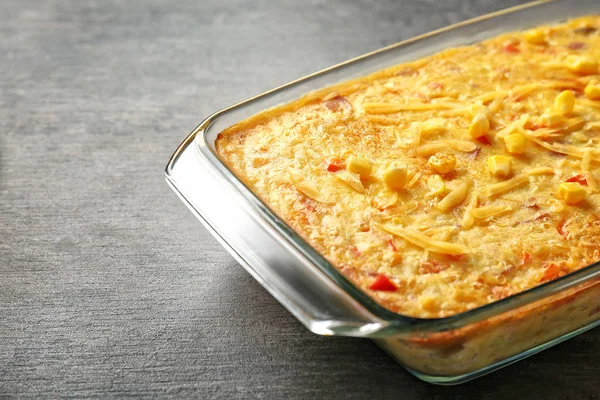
{"x":479,"y":235}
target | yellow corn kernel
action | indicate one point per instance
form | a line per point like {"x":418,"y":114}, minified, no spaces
{"x":551,"y":119}
{"x":395,"y":176}
{"x":429,"y":303}
{"x":436,"y":184}
{"x":442,"y":163}
{"x":515,"y":143}
{"x":480,"y":126}
{"x":592,"y":90}
{"x":535,"y":36}
{"x":564,"y":102}
{"x":571,"y":192}
{"x":360,"y":166}
{"x":479,"y":108}
{"x":499,"y":166}
{"x":582,"y":65}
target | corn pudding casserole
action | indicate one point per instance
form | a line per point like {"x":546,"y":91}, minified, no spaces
{"x":443,"y":184}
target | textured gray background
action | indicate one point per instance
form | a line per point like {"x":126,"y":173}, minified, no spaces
{"x":108,"y":285}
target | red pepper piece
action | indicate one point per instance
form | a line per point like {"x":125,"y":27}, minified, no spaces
{"x":484,"y":139}
{"x":355,"y":251}
{"x":335,"y":165}
{"x":553,"y":271}
{"x":511,"y":48}
{"x":579,"y":179}
{"x":526,"y":257}
{"x":559,"y":228}
{"x":334,"y":168}
{"x":383,"y":283}
{"x":542,"y":216}
{"x":391,"y":243}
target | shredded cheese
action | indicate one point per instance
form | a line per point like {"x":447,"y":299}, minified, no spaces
{"x":490,"y":211}
{"x":414,"y":179}
{"x":590,"y":103}
{"x":454,"y":198}
{"x":429,"y":149}
{"x":591,"y":181}
{"x":351,"y":180}
{"x":540,"y":171}
{"x":468,"y":220}
{"x":502,"y":187}
{"x":425,"y":242}
{"x":391,"y":108}
{"x":309,"y":188}
{"x":487,"y":97}
{"x":586,"y":160}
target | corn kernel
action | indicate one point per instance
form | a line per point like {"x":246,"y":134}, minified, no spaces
{"x":535,"y":36}
{"x":564,"y":102}
{"x":571,"y":192}
{"x":479,"y":108}
{"x":429,"y":303}
{"x":592,"y":90}
{"x":360,"y":166}
{"x":442,"y":163}
{"x":480,"y":126}
{"x":582,"y":65}
{"x":515,"y":143}
{"x":436,"y":184}
{"x":551,"y":119}
{"x":395,"y":176}
{"x":499,"y":166}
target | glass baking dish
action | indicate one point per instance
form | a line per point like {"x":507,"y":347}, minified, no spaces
{"x":446,"y":350}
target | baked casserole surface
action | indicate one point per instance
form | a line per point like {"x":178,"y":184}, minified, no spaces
{"x":446,"y":183}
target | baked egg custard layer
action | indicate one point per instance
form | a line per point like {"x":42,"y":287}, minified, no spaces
{"x":446,"y":183}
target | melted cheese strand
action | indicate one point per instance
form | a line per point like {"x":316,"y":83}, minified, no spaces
{"x":453,"y":198}
{"x":498,"y":188}
{"x":540,"y":171}
{"x":351,"y":180}
{"x":391,"y":108}
{"x":490,"y":211}
{"x":308,"y":188}
{"x":426,"y":242}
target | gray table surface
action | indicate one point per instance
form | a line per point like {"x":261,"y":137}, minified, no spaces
{"x":108,"y":284}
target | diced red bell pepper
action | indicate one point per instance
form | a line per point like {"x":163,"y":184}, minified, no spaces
{"x":355,"y":251}
{"x":579,"y":179}
{"x":511,"y":48}
{"x":391,"y":243}
{"x":484,"y":139}
{"x":335,"y":165}
{"x":560,"y":226}
{"x":553,"y":271}
{"x":383,"y":283}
